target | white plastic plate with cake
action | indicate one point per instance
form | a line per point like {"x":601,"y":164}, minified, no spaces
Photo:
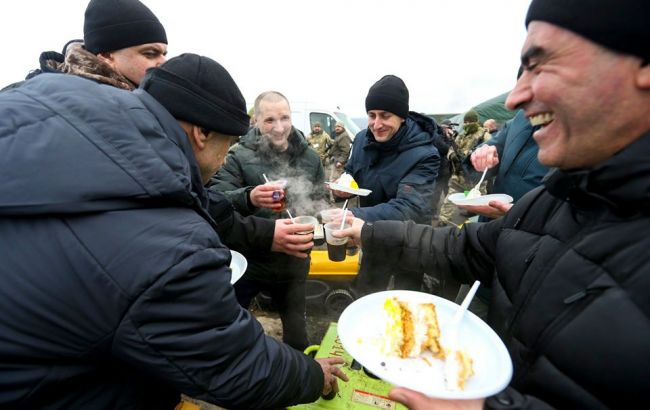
{"x":362,"y":328}
{"x":346,"y":183}
{"x":460,"y":199}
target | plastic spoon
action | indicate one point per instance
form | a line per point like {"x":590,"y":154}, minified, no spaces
{"x":451,"y":362}
{"x":476,"y":191}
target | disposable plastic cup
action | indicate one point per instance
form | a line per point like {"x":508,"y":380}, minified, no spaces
{"x":308,"y":220}
{"x":335,"y":246}
{"x":277,"y":195}
{"x":328,"y":215}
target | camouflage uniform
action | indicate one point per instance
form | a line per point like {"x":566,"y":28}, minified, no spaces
{"x":321,"y":144}
{"x":339,"y":152}
{"x":460,"y":180}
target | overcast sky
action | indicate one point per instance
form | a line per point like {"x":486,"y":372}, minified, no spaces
{"x":452,"y":54}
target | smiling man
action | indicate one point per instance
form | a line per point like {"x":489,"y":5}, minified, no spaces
{"x":277,"y":150}
{"x":122,"y":39}
{"x":396,"y":158}
{"x":568,"y":264}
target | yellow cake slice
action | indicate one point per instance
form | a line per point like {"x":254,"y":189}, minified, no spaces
{"x":458,"y":368}
{"x":411,"y":328}
{"x":348,"y":181}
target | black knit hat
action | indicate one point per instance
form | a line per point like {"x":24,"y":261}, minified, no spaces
{"x":111,"y":25}
{"x":621,"y":25}
{"x":389,"y":94}
{"x":200,"y":91}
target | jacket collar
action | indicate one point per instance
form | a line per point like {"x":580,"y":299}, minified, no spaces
{"x":621,"y":183}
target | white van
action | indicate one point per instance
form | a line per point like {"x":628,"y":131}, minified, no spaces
{"x":304,"y":114}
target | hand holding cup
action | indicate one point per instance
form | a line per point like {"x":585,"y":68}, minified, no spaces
{"x":287,"y":238}
{"x":271,"y":195}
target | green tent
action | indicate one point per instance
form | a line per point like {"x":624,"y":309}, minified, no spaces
{"x":494,"y":108}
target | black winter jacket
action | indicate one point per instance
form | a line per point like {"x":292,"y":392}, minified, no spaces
{"x":571,"y":294}
{"x":245,"y":166}
{"x":115,"y":287}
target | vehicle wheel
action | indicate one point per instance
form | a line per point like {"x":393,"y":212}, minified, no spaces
{"x":315,"y":290}
{"x":337,"y":300}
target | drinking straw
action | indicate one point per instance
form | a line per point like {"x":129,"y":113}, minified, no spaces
{"x":289,"y":213}
{"x":343,"y":220}
{"x":265,"y":178}
{"x":345,"y":204}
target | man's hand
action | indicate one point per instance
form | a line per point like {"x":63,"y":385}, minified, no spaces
{"x":331,"y":372}
{"x":493,"y":210}
{"x":354,"y":232}
{"x":485,"y":156}
{"x":418,"y":401}
{"x":262,"y":196}
{"x":286,"y":239}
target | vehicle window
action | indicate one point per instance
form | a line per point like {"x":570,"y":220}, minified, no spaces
{"x":326,"y":121}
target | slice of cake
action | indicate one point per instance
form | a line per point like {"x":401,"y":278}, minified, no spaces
{"x":458,"y":368}
{"x":411,"y":328}
{"x":347,"y":181}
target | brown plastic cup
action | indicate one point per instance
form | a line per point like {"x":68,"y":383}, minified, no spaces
{"x":277,"y":195}
{"x":335,"y":246}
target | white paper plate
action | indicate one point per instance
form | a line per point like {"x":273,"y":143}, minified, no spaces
{"x":460,"y":199}
{"x":361,"y":326}
{"x":360,"y":191}
{"x":238,"y":265}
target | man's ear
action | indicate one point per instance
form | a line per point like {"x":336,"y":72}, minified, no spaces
{"x":198,"y":136}
{"x":643,"y":77}
{"x":107,"y":58}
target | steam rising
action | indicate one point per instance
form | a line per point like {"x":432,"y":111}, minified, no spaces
{"x":304,"y":196}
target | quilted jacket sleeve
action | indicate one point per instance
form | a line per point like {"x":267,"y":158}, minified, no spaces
{"x":466,"y":254}
{"x":188,"y":329}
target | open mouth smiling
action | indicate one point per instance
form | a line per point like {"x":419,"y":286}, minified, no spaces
{"x":542,"y":119}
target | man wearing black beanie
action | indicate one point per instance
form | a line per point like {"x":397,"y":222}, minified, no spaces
{"x":122,"y":39}
{"x":116,"y":289}
{"x":397,"y":158}
{"x":568,"y":264}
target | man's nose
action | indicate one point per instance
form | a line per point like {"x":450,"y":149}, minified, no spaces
{"x":521,"y":94}
{"x":160,"y":60}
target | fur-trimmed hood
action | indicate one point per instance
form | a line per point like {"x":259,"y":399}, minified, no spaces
{"x":78,"y":61}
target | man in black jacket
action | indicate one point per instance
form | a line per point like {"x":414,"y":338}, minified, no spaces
{"x":570,"y":293}
{"x":115,"y":286}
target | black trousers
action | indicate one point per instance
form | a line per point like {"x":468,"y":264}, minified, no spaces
{"x":375,"y":277}
{"x":289,"y":300}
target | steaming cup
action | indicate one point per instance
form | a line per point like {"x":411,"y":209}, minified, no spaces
{"x":277,"y":195}
{"x":335,"y":246}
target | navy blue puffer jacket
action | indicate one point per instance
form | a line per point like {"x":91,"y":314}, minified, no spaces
{"x":115,"y":287}
{"x":400,"y":173}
